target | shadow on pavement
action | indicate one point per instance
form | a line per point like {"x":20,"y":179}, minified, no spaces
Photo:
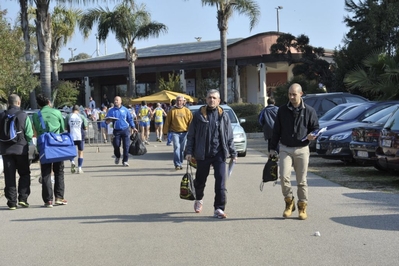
{"x":175,"y":217}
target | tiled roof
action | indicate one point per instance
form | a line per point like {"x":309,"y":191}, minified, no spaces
{"x":165,"y":50}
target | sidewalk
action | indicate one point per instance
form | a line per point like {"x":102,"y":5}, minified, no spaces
{"x":133,"y":216}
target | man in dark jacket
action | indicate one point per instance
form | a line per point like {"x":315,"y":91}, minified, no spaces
{"x":266,"y":120}
{"x":15,"y":155}
{"x":210,"y":141}
{"x":292,"y":128}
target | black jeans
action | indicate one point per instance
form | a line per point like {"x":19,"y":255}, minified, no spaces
{"x":13,"y":163}
{"x":124,"y":137}
{"x":47,"y":186}
{"x":219,"y":167}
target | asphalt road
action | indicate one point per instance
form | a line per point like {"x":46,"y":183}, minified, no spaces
{"x":133,"y":216}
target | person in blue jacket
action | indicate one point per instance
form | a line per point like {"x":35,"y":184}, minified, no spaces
{"x":266,"y":119}
{"x":123,"y":125}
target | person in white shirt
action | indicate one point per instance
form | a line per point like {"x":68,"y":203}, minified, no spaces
{"x":76,"y":125}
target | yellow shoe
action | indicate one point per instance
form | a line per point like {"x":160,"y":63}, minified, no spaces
{"x":289,"y":207}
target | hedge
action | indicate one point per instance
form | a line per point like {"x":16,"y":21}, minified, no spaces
{"x":249,"y":112}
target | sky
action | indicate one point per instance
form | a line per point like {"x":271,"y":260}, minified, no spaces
{"x":320,"y":20}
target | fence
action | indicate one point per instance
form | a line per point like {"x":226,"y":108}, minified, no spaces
{"x":98,"y":133}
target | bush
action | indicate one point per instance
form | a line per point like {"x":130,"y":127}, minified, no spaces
{"x":249,"y":112}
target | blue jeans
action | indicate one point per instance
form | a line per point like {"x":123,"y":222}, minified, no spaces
{"x":124,"y":137}
{"x":169,"y":138}
{"x":179,"y":143}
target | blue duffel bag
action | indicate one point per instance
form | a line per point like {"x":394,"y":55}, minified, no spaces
{"x":55,"y":147}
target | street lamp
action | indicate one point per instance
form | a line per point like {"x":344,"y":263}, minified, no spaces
{"x":71,"y":49}
{"x":278,"y":20}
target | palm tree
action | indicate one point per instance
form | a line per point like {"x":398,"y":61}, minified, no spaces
{"x":378,"y":77}
{"x":129,"y":22}
{"x":26,"y":35}
{"x":63,"y":23}
{"x":43,"y":34}
{"x":225,"y":9}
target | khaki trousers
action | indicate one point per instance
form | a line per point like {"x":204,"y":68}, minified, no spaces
{"x":297,"y":157}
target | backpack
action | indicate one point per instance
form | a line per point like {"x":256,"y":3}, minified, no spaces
{"x":9,"y":133}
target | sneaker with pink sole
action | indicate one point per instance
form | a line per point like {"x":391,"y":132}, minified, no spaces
{"x":219,"y":214}
{"x":198,"y":206}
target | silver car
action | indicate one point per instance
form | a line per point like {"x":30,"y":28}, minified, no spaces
{"x":240,"y":138}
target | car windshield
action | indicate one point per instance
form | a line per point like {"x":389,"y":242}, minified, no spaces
{"x":380,"y":114}
{"x":330,"y":114}
{"x":233,"y":118}
{"x":355,"y":112}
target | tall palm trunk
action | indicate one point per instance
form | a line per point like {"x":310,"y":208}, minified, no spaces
{"x":131,"y":57}
{"x":43,"y":34}
{"x":222,"y":26}
{"x":54,"y":66}
{"x":223,"y":65}
{"x":25,"y":31}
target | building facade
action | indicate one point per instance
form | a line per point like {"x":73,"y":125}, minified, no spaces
{"x":252,"y":70}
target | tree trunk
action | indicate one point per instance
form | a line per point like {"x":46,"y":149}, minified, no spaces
{"x":25,"y":31}
{"x":223,"y":65}
{"x":54,"y":66}
{"x":131,"y":93}
{"x":43,"y":34}
{"x":131,"y":56}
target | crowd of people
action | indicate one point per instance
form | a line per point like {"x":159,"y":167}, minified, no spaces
{"x":206,"y":136}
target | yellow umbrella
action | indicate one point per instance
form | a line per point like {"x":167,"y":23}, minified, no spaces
{"x":163,"y":97}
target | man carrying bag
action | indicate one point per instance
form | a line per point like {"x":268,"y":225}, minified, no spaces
{"x":54,"y":122}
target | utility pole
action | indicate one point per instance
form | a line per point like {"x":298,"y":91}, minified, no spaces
{"x":71,"y":49}
{"x":278,"y":19}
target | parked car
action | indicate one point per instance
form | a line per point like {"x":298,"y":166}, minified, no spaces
{"x":365,"y":142}
{"x":388,"y":150}
{"x":323,"y":102}
{"x":332,"y":115}
{"x":334,"y":143}
{"x":350,"y":116}
{"x":337,"y":111}
{"x":240,"y":137}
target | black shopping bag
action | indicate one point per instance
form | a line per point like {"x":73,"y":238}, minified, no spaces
{"x":137,"y":146}
{"x":270,"y":171}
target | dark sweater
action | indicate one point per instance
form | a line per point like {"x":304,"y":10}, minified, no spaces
{"x":292,"y":124}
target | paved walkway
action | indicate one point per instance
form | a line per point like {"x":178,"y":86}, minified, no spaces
{"x":133,"y":216}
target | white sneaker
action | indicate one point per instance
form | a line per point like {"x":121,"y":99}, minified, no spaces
{"x":125,"y":164}
{"x":219,"y":214}
{"x":198,"y":206}
{"x":80,"y":171}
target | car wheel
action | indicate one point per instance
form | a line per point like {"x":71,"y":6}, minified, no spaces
{"x":379,"y":167}
{"x":242,"y":154}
